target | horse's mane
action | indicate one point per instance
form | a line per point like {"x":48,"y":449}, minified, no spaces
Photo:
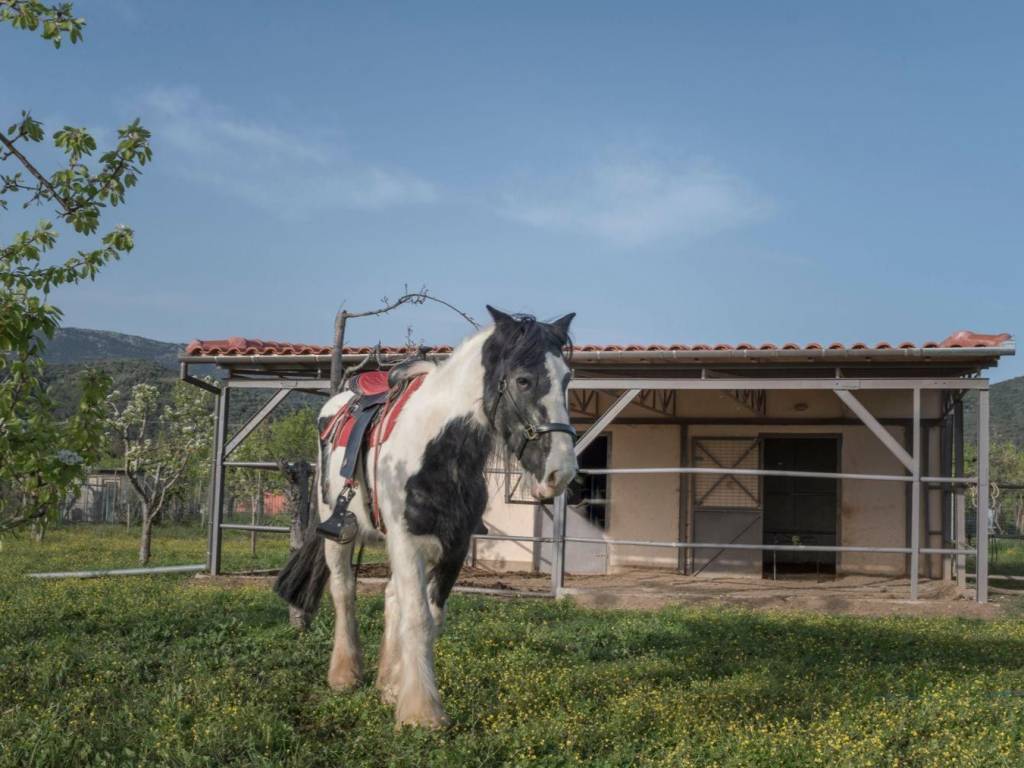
{"x":530,"y":340}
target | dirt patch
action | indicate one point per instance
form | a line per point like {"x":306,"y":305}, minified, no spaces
{"x":648,"y":589}
{"x":651,"y":589}
{"x":373,"y":576}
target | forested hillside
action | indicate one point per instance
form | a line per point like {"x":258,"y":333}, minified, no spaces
{"x":81,"y":345}
{"x":1007,"y":412}
{"x":131,"y":360}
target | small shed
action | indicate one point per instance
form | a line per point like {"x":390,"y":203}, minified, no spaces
{"x":716,"y":459}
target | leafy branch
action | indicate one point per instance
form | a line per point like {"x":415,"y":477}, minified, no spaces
{"x":56,"y":20}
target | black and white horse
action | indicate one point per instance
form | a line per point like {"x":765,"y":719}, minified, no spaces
{"x":502,"y":389}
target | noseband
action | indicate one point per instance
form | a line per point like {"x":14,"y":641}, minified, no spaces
{"x":531,"y":430}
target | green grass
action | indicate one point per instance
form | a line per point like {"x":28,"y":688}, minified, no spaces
{"x":100,"y":547}
{"x":1006,"y":556}
{"x":160,"y":671}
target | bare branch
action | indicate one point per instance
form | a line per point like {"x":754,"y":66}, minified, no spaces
{"x":342,"y":317}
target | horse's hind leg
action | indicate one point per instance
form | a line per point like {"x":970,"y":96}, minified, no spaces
{"x":388,"y":667}
{"x":346,"y":670}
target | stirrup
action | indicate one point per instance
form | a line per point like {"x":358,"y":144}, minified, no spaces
{"x":342,"y":526}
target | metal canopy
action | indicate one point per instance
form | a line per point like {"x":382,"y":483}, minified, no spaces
{"x":632,"y":374}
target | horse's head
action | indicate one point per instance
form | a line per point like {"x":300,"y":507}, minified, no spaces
{"x":526,"y":381}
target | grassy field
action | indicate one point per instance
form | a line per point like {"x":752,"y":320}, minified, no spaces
{"x":164,"y":671}
{"x":1006,"y":556}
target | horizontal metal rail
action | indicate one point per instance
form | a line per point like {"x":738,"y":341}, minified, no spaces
{"x":252,"y":464}
{"x":501,"y":537}
{"x":308,"y":384}
{"x":773,"y":473}
{"x":778,"y":384}
{"x":763,"y":547}
{"x":258,"y":528}
{"x":120,"y":572}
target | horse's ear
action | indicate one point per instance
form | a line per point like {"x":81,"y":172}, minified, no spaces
{"x":561,"y":326}
{"x":500,"y":318}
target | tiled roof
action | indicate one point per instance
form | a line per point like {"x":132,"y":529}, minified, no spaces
{"x":238,"y":346}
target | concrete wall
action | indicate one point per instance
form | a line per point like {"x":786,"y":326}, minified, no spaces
{"x":644,"y":507}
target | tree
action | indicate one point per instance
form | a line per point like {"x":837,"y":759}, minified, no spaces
{"x":161,"y":446}
{"x":1006,"y":468}
{"x":288,"y":438}
{"x":42,"y":457}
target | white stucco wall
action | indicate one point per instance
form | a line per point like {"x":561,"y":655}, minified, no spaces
{"x":871,"y":513}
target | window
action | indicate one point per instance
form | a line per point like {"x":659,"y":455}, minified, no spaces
{"x":589,"y":494}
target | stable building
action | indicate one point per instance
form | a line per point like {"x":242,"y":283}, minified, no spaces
{"x":711,"y":460}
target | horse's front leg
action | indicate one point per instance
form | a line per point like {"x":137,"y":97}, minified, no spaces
{"x":346,"y":669}
{"x":418,"y":701}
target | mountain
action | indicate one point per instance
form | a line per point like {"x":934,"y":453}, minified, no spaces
{"x":82,"y":345}
{"x":130,"y":360}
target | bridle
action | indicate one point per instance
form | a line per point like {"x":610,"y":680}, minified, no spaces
{"x":531,"y":430}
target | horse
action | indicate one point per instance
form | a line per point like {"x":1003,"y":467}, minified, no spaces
{"x":503,"y":389}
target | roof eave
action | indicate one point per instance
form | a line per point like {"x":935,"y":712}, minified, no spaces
{"x":919,"y":354}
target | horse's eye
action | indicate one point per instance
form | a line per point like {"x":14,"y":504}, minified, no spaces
{"x":523,"y":383}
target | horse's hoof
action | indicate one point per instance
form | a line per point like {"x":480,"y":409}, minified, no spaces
{"x":343,"y":682}
{"x":388,"y":694}
{"x":432,"y":722}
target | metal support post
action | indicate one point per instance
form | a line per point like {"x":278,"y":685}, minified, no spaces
{"x":981,"y":568}
{"x":959,"y":494}
{"x":217,"y":483}
{"x":682,"y":564}
{"x":915,"y":499}
{"x":558,"y":545}
{"x":946,"y":493}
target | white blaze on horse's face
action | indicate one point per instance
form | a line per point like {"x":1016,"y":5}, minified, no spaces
{"x":560,"y":464}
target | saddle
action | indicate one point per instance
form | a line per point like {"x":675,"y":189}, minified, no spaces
{"x":365,"y":422}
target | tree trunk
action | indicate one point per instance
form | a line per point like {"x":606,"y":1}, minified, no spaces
{"x":257,"y":510}
{"x":146,"y":539}
{"x":252,"y":521}
{"x":337,"y":350}
{"x":297,"y":502}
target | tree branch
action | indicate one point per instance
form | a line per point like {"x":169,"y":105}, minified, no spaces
{"x":342,"y":317}
{"x":45,"y":182}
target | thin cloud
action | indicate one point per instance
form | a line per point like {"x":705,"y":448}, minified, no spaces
{"x":634,"y":204}
{"x":281,"y":171}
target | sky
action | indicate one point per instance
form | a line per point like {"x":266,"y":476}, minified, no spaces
{"x":671,"y":172}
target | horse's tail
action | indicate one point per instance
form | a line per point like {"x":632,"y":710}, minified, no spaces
{"x":302,"y":580}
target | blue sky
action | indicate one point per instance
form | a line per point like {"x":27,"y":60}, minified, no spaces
{"x":671,"y":172}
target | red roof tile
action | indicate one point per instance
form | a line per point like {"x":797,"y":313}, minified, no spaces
{"x":239,"y":346}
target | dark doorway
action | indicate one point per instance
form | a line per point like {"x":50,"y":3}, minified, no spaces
{"x":800,"y":510}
